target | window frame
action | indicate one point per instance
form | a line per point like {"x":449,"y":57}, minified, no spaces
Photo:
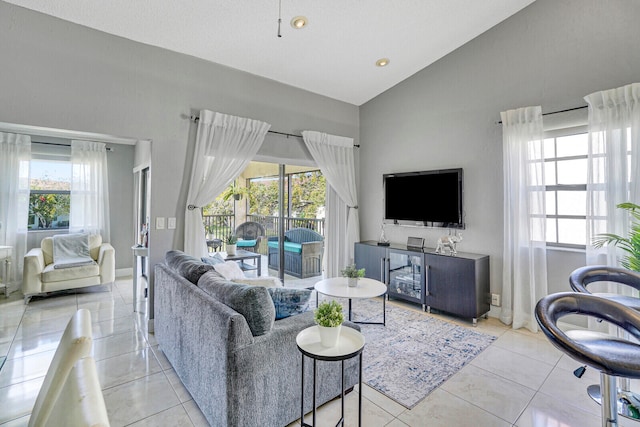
{"x":555,"y":188}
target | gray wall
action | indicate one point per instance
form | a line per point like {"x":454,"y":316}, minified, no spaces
{"x":552,"y":53}
{"x":61,"y":75}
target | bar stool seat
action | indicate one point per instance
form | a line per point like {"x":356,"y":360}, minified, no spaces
{"x":581,"y":280}
{"x":612,"y":356}
{"x":582,"y":277}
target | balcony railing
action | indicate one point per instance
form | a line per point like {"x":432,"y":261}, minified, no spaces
{"x":221,"y":226}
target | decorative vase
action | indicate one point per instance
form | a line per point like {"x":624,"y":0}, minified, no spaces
{"x":352,"y":282}
{"x":329,"y":335}
{"x":231,"y":249}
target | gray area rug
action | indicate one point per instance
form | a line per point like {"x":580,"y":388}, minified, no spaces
{"x":414,"y":353}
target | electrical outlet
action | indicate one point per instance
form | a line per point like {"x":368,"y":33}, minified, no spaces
{"x":495,"y":300}
{"x":159,"y":223}
{"x":171,"y":223}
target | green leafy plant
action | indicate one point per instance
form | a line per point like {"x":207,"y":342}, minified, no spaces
{"x":329,"y":314}
{"x":231,"y":239}
{"x":631,"y":244}
{"x":234,"y":191}
{"x":352,"y":272}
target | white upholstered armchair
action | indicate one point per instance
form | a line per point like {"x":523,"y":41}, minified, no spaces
{"x":40,"y":274}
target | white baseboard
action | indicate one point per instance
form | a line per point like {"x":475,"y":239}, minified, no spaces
{"x":124,"y":272}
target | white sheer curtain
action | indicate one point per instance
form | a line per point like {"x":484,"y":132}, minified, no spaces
{"x":524,"y":278}
{"x":335,"y":157}
{"x":89,"y":210}
{"x":15,"y":155}
{"x":224,"y":147}
{"x":613,"y":166}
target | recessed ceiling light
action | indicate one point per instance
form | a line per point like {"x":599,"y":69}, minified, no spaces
{"x":382,"y":62}
{"x":299,"y":22}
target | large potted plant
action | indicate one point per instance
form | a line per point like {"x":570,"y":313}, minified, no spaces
{"x":352,"y":274}
{"x":329,"y":318}
{"x":631,"y":244}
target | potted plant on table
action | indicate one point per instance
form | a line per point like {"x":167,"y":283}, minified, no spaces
{"x":353,"y":274}
{"x":329,"y":318}
{"x":230,"y":242}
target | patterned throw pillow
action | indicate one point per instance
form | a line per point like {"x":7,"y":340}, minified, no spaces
{"x":289,"y":301}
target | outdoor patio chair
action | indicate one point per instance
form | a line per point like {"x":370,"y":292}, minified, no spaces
{"x":249,"y":235}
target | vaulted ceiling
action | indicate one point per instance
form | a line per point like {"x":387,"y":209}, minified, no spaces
{"x":333,"y":55}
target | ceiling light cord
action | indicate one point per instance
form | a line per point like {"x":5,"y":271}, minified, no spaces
{"x":279,"y":16}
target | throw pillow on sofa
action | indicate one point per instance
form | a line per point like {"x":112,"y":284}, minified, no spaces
{"x":189,"y":267}
{"x":230,"y":270}
{"x":213,"y":259}
{"x":266,"y":281}
{"x":253,"y":302}
{"x":289,"y":301}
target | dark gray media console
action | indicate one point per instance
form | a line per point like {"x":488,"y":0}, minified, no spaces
{"x":455,"y":284}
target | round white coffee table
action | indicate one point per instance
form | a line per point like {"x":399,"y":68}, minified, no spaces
{"x":367,"y":288}
{"x":350,"y":344}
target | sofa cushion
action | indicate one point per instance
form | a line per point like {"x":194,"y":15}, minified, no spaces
{"x":253,"y":302}
{"x":288,"y":246}
{"x":289,"y":301}
{"x":189,"y":267}
{"x":52,"y":274}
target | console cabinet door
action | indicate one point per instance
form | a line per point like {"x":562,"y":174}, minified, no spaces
{"x":405,"y":275}
{"x":372,"y":259}
{"x":458,"y":286}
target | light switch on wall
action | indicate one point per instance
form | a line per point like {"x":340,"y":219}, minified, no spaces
{"x":171,"y":223}
{"x":159,"y":223}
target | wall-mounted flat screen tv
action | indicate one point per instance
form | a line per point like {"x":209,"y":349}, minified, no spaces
{"x":427,"y":198}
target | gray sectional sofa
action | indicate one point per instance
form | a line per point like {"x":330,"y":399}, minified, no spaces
{"x":241,"y":366}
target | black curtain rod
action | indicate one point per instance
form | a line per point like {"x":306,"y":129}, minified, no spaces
{"x":61,"y":145}
{"x":560,"y":111}
{"x":196,"y":118}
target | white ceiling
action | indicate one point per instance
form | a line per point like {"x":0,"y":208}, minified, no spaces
{"x":333,"y":56}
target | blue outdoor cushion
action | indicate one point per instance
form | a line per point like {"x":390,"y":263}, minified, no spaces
{"x":289,"y":301}
{"x":288,"y":246}
{"x":246,"y":243}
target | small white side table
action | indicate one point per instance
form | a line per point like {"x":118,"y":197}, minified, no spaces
{"x":138,"y":252}
{"x":350,"y":344}
{"x":367,"y":288}
{"x":5,"y":260}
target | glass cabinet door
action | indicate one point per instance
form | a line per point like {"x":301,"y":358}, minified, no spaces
{"x":406,"y":278}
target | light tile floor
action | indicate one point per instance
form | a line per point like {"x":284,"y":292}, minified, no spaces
{"x":520,"y":380}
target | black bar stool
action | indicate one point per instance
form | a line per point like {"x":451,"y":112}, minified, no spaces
{"x":612,"y":356}
{"x":580,"y":279}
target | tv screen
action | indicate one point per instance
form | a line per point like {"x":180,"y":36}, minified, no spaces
{"x":429,"y":198}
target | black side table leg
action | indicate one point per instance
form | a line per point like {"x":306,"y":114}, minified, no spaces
{"x":341,"y":422}
{"x":384,"y":311}
{"x":302,"y":394}
{"x":359,"y":392}
{"x":315,"y":379}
